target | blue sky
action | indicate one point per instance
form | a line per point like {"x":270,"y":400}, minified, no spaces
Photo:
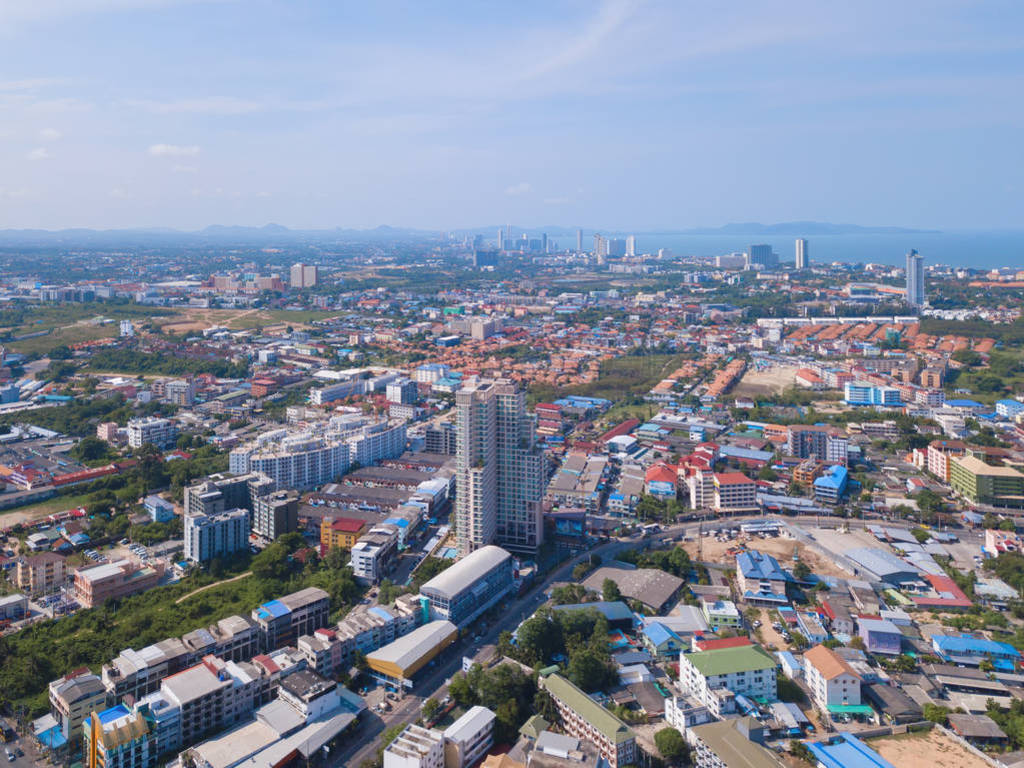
{"x":620,"y":115}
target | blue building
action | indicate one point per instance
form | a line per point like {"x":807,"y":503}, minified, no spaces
{"x":831,"y":485}
{"x":160,"y":510}
{"x":1009,"y":408}
{"x":968,"y":650}
{"x":662,"y":641}
{"x":761,"y":579}
{"x":862,"y":393}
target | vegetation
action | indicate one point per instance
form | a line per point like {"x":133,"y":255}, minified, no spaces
{"x":581,"y":635}
{"x":671,"y":745}
{"x":29,"y":659}
{"x":131,"y":361}
{"x":506,"y":690}
{"x":80,"y":417}
{"x":936,"y":713}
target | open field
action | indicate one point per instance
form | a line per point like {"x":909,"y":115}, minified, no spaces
{"x":72,"y":334}
{"x":771,"y":381}
{"x":780,"y":547}
{"x":194,"y":320}
{"x":40,"y":509}
{"x":931,"y":749}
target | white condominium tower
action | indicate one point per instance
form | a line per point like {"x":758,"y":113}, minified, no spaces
{"x":915,"y":279}
{"x":802,"y":253}
{"x":499,"y":469}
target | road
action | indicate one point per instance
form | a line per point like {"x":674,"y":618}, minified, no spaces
{"x":363,"y":746}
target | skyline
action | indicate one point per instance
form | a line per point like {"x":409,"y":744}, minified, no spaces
{"x":647,"y":116}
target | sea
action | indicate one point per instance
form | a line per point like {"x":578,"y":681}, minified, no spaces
{"x":977,"y":250}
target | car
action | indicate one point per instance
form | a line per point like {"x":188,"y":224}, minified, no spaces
{"x":10,"y":756}
{"x":123,"y":542}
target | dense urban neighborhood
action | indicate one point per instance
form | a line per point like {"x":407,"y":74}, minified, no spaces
{"x":533,"y":500}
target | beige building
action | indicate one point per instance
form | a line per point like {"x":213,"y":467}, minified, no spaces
{"x":40,"y":573}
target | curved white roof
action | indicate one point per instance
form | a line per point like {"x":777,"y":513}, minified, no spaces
{"x":465,"y":572}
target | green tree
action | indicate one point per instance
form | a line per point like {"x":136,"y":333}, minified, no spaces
{"x":429,"y":709}
{"x":767,"y":474}
{"x":671,"y":745}
{"x":90,"y":449}
{"x":610,"y":591}
{"x":801,"y":570}
{"x":936,"y":713}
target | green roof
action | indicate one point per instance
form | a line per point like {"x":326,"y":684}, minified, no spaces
{"x":607,"y":724}
{"x":722,"y":661}
{"x":534,"y":727}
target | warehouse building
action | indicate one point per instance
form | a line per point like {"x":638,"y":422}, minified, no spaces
{"x":397,"y":663}
{"x":471,"y":586}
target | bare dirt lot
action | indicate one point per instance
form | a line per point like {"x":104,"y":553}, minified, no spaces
{"x":932,"y":749}
{"x":779,"y":547}
{"x":771,"y":381}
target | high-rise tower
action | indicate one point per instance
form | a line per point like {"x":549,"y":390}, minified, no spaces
{"x":802,"y":253}
{"x":499,"y":469}
{"x":915,"y":279}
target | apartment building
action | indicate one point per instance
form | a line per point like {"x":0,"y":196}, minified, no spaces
{"x":110,"y":581}
{"x":814,"y":442}
{"x":374,"y":554}
{"x":584,"y":718}
{"x":734,"y":743}
{"x":415,"y":747}
{"x":340,"y":532}
{"x":216,"y":535}
{"x":734,"y":493}
{"x":275,"y":514}
{"x":120,"y":737}
{"x":73,"y":697}
{"x":832,"y":681}
{"x":716,"y":677}
{"x":468,"y":738}
{"x":499,"y":469}
{"x":281,"y":622}
{"x":162,"y":433}
{"x":40,"y":573}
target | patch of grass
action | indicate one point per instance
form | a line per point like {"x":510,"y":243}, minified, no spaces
{"x":48,"y":507}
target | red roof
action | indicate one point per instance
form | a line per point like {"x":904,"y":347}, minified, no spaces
{"x":716,"y":643}
{"x":732,"y":478}
{"x":660,"y":473}
{"x":620,"y":429}
{"x":347,"y":524}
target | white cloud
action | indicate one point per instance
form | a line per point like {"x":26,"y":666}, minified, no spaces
{"x":522,"y":188}
{"x":185,"y":169}
{"x":50,"y":134}
{"x":119,"y":194}
{"x":173,"y":150}
{"x":39,"y":153}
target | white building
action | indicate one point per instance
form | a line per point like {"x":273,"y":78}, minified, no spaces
{"x":469,"y":737}
{"x":304,"y":275}
{"x":716,"y":677}
{"x":832,"y":681}
{"x":160,"y":432}
{"x":215,"y":535}
{"x":499,"y":469}
{"x":374,"y":553}
{"x":415,"y":747}
{"x":318,"y":453}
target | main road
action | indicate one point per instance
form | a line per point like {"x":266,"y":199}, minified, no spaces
{"x":364,"y":739}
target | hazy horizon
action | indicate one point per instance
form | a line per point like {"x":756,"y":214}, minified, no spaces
{"x":642,"y":116}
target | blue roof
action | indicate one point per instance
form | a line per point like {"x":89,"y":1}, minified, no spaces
{"x":964,"y":403}
{"x":382,"y":612}
{"x":834,"y":477}
{"x":847,"y":751}
{"x":758,"y":565}
{"x":275,"y":609}
{"x":109,"y":715}
{"x":789,"y":659}
{"x":659,"y":633}
{"x":968,"y":644}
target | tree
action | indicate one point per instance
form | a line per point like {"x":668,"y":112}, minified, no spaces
{"x":610,"y":591}
{"x":671,"y":745}
{"x":590,"y":668}
{"x":429,"y":709}
{"x":857,"y":642}
{"x":935,"y":713}
{"x":801,"y":570}
{"x":63,"y":352}
{"x":90,"y":449}
{"x":920,"y":534}
{"x":768,"y":474}
{"x":567,"y":594}
{"x":801,"y":751}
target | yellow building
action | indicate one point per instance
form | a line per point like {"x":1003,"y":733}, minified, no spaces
{"x":341,"y":532}
{"x":399,"y":661}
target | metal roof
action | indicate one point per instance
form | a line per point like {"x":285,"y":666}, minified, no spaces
{"x":409,"y":649}
{"x":466,"y":572}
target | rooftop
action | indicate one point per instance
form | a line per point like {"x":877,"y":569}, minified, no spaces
{"x":722,"y":661}
{"x":606,"y":723}
{"x":466,"y":571}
